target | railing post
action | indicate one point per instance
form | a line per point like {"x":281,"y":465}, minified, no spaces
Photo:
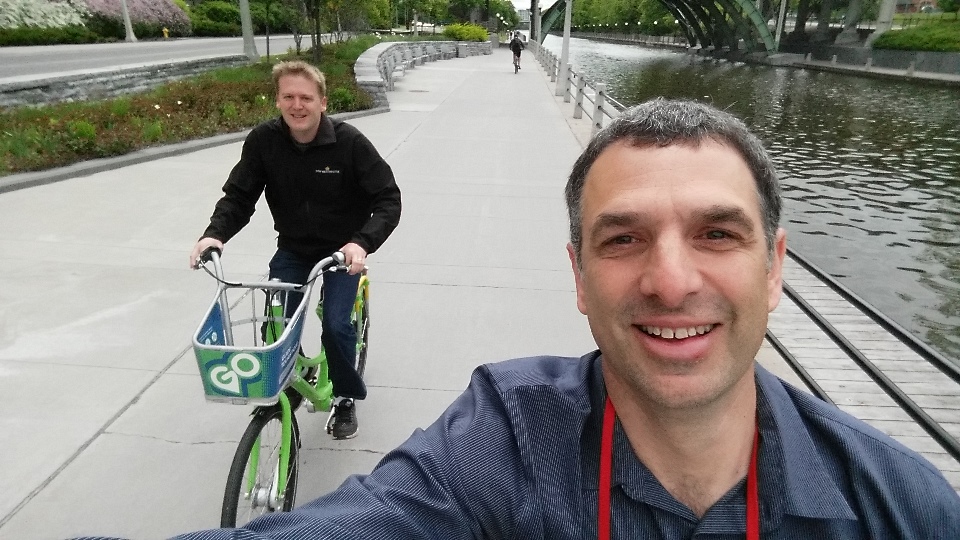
{"x":553,"y":68}
{"x":598,"y":108}
{"x":562,"y":80}
{"x":578,"y":104}
{"x":566,"y":83}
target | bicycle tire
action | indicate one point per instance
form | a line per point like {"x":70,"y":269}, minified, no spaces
{"x":239,"y":509}
{"x":361,"y":323}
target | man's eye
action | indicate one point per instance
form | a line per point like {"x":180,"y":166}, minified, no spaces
{"x":717,"y":235}
{"x":623,"y":239}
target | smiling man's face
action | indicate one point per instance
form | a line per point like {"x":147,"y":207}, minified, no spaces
{"x":675,"y":277}
{"x":301,"y":105}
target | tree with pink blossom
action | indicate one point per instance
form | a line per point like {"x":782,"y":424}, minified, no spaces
{"x":149,"y":18}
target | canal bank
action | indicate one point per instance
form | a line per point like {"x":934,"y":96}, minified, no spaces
{"x":871,"y":168}
{"x":926,"y":67}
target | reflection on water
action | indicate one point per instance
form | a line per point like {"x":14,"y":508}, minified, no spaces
{"x":870,"y":169}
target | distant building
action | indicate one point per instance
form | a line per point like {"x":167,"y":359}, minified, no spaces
{"x":524,"y":15}
{"x":915,"y":6}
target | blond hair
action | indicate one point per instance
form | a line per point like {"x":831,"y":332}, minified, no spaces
{"x":303,"y":69}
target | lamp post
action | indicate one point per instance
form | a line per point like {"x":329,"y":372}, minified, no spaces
{"x":564,"y":50}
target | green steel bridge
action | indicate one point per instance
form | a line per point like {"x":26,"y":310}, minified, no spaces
{"x":720,"y":25}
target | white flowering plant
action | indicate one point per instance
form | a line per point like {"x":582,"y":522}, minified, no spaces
{"x":42,"y":13}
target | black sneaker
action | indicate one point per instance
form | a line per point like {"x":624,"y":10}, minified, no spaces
{"x":345,"y":420}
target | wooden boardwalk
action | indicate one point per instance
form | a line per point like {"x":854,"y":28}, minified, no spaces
{"x":853,"y":389}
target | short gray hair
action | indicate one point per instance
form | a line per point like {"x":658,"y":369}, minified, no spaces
{"x":661,"y":122}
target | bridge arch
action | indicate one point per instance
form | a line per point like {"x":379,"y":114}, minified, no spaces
{"x":718,"y":25}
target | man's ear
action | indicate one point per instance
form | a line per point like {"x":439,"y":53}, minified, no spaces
{"x":775,"y":274}
{"x":578,"y":278}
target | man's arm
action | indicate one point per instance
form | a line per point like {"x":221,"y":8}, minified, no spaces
{"x":461,"y":478}
{"x":376,"y":178}
{"x":240,"y":193}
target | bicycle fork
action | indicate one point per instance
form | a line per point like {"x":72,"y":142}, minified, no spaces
{"x":271,"y":496}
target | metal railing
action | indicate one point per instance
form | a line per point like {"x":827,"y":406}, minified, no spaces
{"x":588,"y":97}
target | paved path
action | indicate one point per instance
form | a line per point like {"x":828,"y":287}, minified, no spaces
{"x":105,"y":427}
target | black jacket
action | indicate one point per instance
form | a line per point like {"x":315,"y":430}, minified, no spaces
{"x":323,"y":194}
{"x":516,"y":46}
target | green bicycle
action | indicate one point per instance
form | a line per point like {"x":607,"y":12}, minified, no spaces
{"x":263,"y":364}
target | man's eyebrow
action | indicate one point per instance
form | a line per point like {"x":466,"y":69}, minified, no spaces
{"x":712,"y":214}
{"x":609,"y":220}
{"x":726,"y":214}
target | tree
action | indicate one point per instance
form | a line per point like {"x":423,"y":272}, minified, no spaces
{"x":949,"y":6}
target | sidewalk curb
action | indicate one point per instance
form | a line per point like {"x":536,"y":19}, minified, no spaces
{"x":19,"y":181}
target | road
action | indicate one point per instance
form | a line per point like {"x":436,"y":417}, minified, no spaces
{"x":26,"y":63}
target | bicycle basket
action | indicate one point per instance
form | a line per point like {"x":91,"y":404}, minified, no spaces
{"x":236,"y":364}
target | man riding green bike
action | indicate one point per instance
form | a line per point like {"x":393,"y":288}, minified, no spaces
{"x":328,"y":189}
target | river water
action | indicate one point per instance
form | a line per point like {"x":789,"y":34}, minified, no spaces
{"x":870,"y":169}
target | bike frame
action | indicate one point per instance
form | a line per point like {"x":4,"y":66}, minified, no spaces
{"x":319,"y":394}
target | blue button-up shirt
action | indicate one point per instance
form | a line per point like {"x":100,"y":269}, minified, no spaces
{"x":516,"y":456}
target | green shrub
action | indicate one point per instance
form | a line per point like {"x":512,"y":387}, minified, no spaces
{"x":942,"y":36}
{"x":81,"y":135}
{"x":279,"y":19}
{"x":108,"y":27}
{"x":229,"y":111}
{"x":466,"y":32}
{"x":217,"y":11}
{"x":341,"y":99}
{"x":31,"y":35}
{"x":225,"y":100}
{"x":119,"y":107}
{"x":208,"y":28}
{"x":153,"y":131}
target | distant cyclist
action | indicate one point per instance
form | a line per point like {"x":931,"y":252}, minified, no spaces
{"x":516,"y":45}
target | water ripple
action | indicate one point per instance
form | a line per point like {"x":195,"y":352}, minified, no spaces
{"x":870,"y":169}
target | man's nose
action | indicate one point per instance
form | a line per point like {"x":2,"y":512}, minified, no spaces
{"x":670,"y":272}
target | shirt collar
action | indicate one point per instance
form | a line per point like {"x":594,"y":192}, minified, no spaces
{"x":795,"y":482}
{"x":802,"y":481}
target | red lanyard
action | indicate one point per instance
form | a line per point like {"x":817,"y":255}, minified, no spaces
{"x":606,"y":471}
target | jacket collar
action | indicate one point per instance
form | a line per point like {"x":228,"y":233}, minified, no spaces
{"x":326,"y":134}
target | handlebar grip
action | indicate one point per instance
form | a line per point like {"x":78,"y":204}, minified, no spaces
{"x":207,"y":254}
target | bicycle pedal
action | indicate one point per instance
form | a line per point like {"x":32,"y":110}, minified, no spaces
{"x":331,"y":418}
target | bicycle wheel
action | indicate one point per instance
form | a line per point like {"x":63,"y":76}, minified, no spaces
{"x":361,"y":323}
{"x":252,"y":487}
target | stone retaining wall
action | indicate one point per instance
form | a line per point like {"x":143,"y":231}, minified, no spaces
{"x":933,"y":62}
{"x":107,"y":83}
{"x":378,"y":67}
{"x":375,"y":71}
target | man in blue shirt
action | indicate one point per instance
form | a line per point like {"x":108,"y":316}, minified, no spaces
{"x":670,"y":430}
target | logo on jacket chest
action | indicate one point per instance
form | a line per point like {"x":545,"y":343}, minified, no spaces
{"x":327,"y":170}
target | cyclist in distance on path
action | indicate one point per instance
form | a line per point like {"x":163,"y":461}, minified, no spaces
{"x":516,"y":45}
{"x":328,"y":189}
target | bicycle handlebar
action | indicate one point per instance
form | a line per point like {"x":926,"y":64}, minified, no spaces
{"x":334,"y":263}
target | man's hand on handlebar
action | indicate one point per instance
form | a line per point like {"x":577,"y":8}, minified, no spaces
{"x":354,"y":257}
{"x":202,"y":246}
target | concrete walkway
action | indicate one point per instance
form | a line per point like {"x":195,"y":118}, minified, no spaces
{"x":105,"y":427}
